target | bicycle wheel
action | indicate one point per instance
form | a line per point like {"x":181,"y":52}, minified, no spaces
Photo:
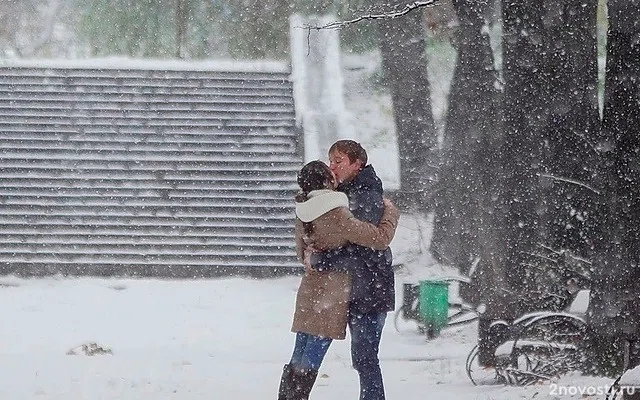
{"x":477,"y":374}
{"x":461,"y":314}
{"x":614,"y":391}
{"x":547,"y":346}
{"x":405,"y":321}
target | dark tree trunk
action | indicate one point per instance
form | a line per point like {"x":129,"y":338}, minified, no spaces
{"x":402,"y":44}
{"x":569,"y":115}
{"x":466,"y":219}
{"x":525,"y":123}
{"x":181,"y":26}
{"x":551,"y":117}
{"x":572,"y":124}
{"x":614,"y":308}
{"x":465,"y":209}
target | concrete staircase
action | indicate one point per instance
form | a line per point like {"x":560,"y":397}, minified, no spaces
{"x":169,"y":172}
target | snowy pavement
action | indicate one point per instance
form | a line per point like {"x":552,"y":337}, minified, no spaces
{"x":214,"y":339}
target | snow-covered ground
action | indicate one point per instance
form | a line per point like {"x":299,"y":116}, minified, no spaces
{"x":218,"y":339}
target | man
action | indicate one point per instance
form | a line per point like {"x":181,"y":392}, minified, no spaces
{"x":372,"y":291}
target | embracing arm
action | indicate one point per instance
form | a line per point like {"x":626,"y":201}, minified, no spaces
{"x":365,"y":234}
{"x":300,"y":245}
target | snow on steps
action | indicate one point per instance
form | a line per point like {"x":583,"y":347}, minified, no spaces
{"x":170,"y":170}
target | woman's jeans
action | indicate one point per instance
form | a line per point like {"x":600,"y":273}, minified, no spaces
{"x":309,"y":351}
{"x":366,"y":332}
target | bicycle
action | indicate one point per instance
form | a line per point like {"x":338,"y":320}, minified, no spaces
{"x":537,"y":346}
{"x":544,"y":344}
{"x":459,"y":312}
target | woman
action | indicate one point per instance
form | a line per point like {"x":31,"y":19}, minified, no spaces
{"x":322,"y":301}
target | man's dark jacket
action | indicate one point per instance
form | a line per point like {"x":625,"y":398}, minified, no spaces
{"x":373,"y":282}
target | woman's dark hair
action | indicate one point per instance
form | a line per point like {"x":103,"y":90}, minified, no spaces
{"x":315,"y":175}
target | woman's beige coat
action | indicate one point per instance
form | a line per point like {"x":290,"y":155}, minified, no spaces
{"x":322,"y":301}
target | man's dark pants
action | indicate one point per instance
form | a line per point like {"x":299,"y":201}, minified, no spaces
{"x":366,"y":332}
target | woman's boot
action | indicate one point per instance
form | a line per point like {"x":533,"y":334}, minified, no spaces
{"x":285,"y":382}
{"x":302,"y":382}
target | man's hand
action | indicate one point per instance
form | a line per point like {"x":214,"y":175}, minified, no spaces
{"x":308,"y":251}
{"x":388,"y":204}
{"x":308,"y":241}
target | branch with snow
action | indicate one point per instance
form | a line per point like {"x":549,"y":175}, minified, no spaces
{"x":572,"y":181}
{"x":383,"y":15}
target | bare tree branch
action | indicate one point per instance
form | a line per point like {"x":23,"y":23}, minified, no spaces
{"x":572,"y":181}
{"x":383,"y":15}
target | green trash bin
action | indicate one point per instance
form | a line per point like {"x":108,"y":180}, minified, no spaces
{"x":434,"y":306}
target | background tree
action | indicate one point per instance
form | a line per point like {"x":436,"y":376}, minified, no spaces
{"x":465,"y":206}
{"x":551,"y":119}
{"x":182,"y":14}
{"x":144,"y":28}
{"x":524,"y":130}
{"x":614,"y":311}
{"x":193,"y":29}
{"x":466,"y":214}
{"x":570,"y":68}
{"x":265,"y":25}
{"x":29,"y":27}
{"x":404,"y":61}
{"x":466,"y":217}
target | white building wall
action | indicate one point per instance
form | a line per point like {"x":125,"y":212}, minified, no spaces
{"x":318,"y":85}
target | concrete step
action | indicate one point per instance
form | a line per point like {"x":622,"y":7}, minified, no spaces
{"x":147,"y":171}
